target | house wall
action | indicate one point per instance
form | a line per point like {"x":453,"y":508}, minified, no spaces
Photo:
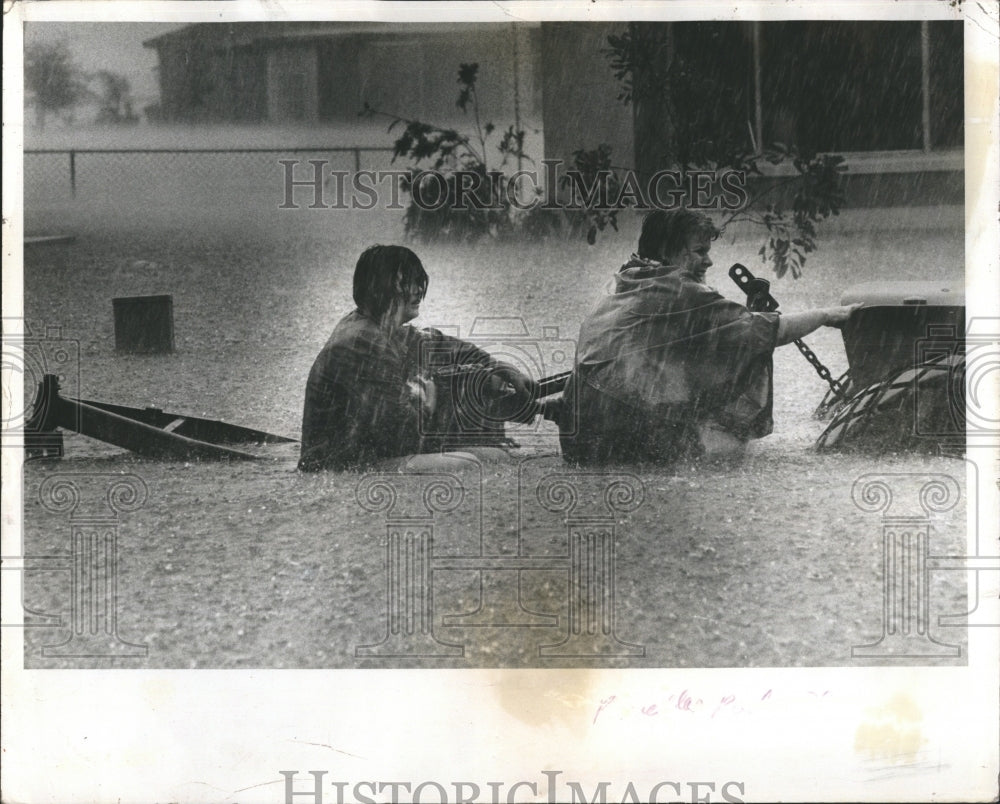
{"x":172,"y":66}
{"x":242,"y":90}
{"x":415,"y":75}
{"x":200,"y":81}
{"x":580,"y":103}
{"x":292,"y":83}
{"x":302,"y":72}
{"x":338,"y":78}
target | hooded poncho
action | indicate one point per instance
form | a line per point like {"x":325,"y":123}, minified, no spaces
{"x":660,"y":354}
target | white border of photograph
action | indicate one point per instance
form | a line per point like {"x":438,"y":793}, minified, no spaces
{"x":225,"y":736}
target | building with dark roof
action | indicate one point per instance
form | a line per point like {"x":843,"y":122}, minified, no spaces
{"x":327,"y":71}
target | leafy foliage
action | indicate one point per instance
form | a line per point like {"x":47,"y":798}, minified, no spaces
{"x":115,"y":96}
{"x":467,"y":199}
{"x":55,"y":84}
{"x":52,"y":80}
{"x":590,"y":166}
{"x":639,"y":59}
{"x":651,"y":71}
{"x":791,"y":234}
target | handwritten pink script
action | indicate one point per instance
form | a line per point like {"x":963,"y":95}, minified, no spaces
{"x":690,"y":703}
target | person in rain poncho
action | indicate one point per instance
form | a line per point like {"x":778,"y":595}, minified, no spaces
{"x":666,"y":367}
{"x":367,"y":394}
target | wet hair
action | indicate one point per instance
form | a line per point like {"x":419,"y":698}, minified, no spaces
{"x":667,"y":232}
{"x":385,"y":274}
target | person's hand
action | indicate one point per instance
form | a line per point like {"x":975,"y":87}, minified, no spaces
{"x":524,"y":386}
{"x":519,"y":403}
{"x":424,"y":389}
{"x":837,"y":316}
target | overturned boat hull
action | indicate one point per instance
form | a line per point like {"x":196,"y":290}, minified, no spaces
{"x":149,"y":432}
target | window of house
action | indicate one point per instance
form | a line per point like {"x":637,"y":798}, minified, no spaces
{"x":824,"y":85}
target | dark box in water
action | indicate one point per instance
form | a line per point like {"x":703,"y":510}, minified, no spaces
{"x":144,"y":324}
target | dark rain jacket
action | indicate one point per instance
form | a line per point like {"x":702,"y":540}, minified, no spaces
{"x":359,"y":407}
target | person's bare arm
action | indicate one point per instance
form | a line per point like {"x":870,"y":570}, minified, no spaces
{"x":793,"y":326}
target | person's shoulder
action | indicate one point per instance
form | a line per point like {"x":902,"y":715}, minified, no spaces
{"x":356,"y":333}
{"x":411,"y":332}
{"x":694,"y":287}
